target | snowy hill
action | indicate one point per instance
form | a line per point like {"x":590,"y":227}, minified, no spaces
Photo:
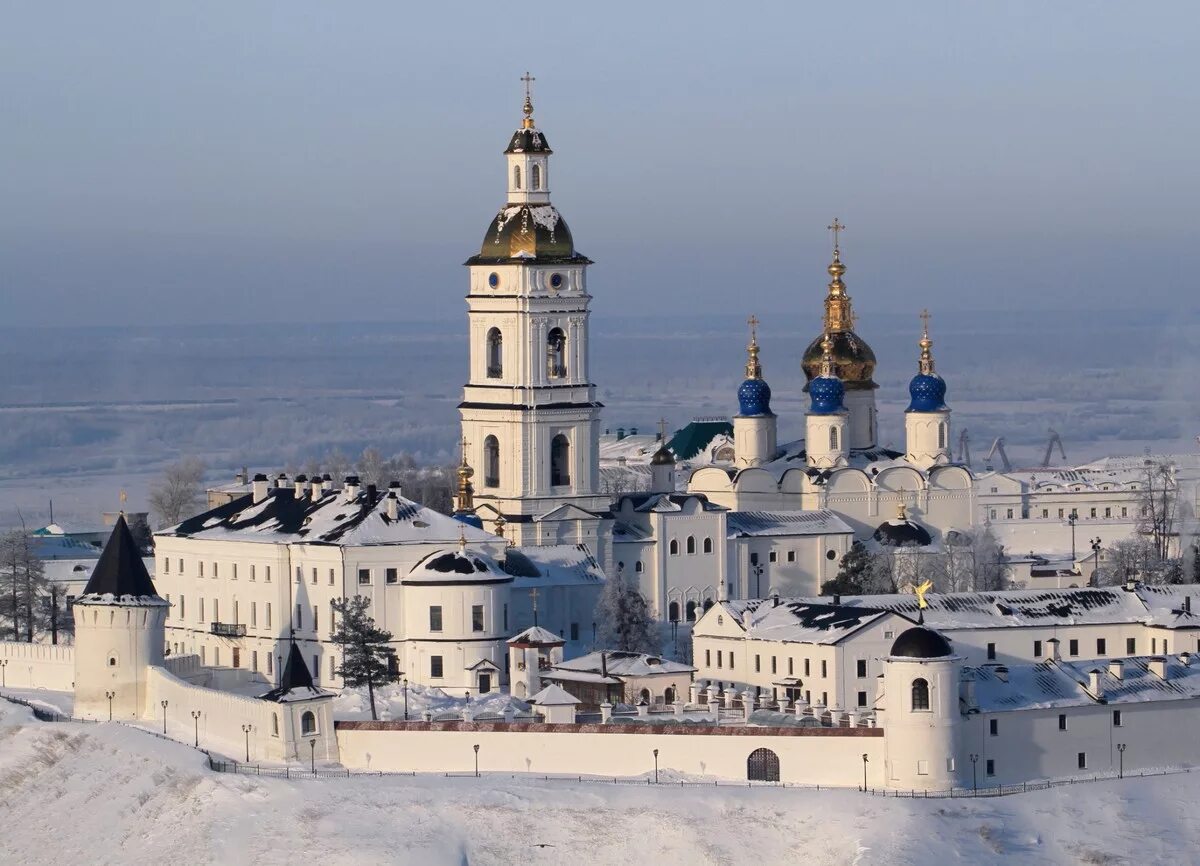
{"x":110,"y":794}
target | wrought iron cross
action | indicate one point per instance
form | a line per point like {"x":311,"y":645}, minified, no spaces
{"x":925,"y":322}
{"x":528,"y":79}
{"x":753,"y":323}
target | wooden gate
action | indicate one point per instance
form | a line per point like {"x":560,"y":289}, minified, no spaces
{"x":762,"y":766}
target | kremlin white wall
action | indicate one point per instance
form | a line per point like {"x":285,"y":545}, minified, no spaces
{"x":810,"y":756}
{"x":37,"y":666}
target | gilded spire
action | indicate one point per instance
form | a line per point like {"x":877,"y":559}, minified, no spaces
{"x":827,"y":369}
{"x":464,"y":501}
{"x":753,"y":365}
{"x":528,"y":109}
{"x":838,"y":313}
{"x":925,"y":366}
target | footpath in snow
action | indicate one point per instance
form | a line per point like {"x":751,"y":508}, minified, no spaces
{"x":100,"y":793}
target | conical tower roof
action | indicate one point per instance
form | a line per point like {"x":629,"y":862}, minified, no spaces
{"x":120,"y":571}
{"x":295,"y":676}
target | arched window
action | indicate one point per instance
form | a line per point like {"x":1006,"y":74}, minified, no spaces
{"x":942,"y":435}
{"x":560,"y":461}
{"x":669,"y":695}
{"x":535,"y":175}
{"x":274,"y":724}
{"x":516,"y":177}
{"x":645,"y":695}
{"x":556,"y":354}
{"x":673,"y":611}
{"x":308,"y":723}
{"x":833,"y":438}
{"x":691,"y":544}
{"x":495,"y":354}
{"x":762,"y":766}
{"x":691,"y":611}
{"x":920,"y":694}
{"x":491,"y":462}
{"x":708,"y":602}
{"x":708,"y":545}
{"x":637,"y":566}
{"x":674,"y":547}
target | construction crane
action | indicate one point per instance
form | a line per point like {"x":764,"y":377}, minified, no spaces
{"x":964,"y":448}
{"x":1055,"y":439}
{"x":997,"y":446}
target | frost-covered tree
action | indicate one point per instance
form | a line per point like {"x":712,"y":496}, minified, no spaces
{"x":368,"y":658}
{"x":623,"y":619}
{"x":23,"y":586}
{"x":1158,"y":508}
{"x":177,"y":495}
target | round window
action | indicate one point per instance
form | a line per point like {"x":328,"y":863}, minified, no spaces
{"x":493,"y":280}
{"x":556,"y":281}
{"x":831,"y":554}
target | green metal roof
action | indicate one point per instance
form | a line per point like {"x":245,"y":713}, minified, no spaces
{"x":695,"y":437}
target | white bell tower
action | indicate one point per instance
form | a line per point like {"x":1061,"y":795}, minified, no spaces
{"x":826,"y":422}
{"x":927,"y":419}
{"x":530,"y":418}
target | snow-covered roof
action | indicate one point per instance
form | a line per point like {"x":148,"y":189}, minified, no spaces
{"x":330,"y":518}
{"x":1038,"y":607}
{"x":554,"y":695}
{"x":773,"y":523}
{"x":537,"y":635}
{"x":1060,"y":683}
{"x":458,"y":565}
{"x":557,"y":564}
{"x":633,"y":448}
{"x":622,"y":664}
{"x":799,"y":621}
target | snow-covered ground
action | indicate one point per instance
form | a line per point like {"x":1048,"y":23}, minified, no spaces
{"x":111,"y":794}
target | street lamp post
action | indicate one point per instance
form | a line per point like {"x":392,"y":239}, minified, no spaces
{"x":406,"y":699}
{"x":476,"y":747}
{"x":312,"y":752}
{"x":4,"y":673}
{"x":246,"y":729}
{"x":758,"y":573}
{"x":974,"y":778}
{"x":110,"y":696}
{"x":196,"y":725}
{"x":865,"y":759}
{"x":656,"y":766}
{"x":1095,"y":561}
{"x":1121,"y":754}
{"x":164,"y":706}
{"x":1071,"y":519}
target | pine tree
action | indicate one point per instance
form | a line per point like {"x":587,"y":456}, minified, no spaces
{"x":368,"y":659}
{"x":853,"y":570}
{"x":23,"y":586}
{"x":623,"y":619}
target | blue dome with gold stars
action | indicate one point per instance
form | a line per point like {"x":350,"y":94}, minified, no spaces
{"x":928,"y":393}
{"x":826,"y":393}
{"x":754,"y":398}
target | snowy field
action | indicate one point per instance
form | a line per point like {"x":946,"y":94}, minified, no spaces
{"x":111,"y":794}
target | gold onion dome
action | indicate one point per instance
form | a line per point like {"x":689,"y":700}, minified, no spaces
{"x":853,"y":359}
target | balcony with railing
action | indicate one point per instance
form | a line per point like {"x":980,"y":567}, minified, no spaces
{"x":228,"y":629}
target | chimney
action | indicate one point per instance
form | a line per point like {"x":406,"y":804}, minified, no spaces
{"x":1187,"y":604}
{"x":1095,"y":684}
{"x":620,"y":433}
{"x":393,"y":508}
{"x":301,"y":486}
{"x":282,"y":480}
{"x":632,"y":431}
{"x":1001,"y":673}
{"x":775,"y":599}
{"x":318,"y":487}
{"x":1116,"y":668}
{"x":1054,"y":653}
{"x":241,"y":477}
{"x":1185,"y":659}
{"x":837,"y":598}
{"x":1130,"y":585}
{"x":350,"y":487}
{"x":967,"y":690}
{"x":1158,"y":667}
{"x":603,"y":664}
{"x":372,"y":493}
{"x":260,"y":486}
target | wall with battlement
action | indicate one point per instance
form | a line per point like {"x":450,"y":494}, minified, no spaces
{"x":37,"y":666}
{"x":815,"y":756}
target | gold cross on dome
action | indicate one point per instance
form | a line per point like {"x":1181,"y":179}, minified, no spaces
{"x":837,"y":228}
{"x":753,"y":323}
{"x":925,"y":322}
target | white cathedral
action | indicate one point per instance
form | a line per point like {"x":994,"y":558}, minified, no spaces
{"x":534,"y":534}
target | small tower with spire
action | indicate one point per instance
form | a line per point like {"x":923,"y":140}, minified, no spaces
{"x":662,"y":464}
{"x":825,"y":444}
{"x":755,"y":425}
{"x":927,"y":419}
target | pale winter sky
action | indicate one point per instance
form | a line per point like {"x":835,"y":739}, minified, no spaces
{"x":304,"y":161}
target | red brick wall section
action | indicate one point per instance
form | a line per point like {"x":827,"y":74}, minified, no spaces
{"x":668,"y":729}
